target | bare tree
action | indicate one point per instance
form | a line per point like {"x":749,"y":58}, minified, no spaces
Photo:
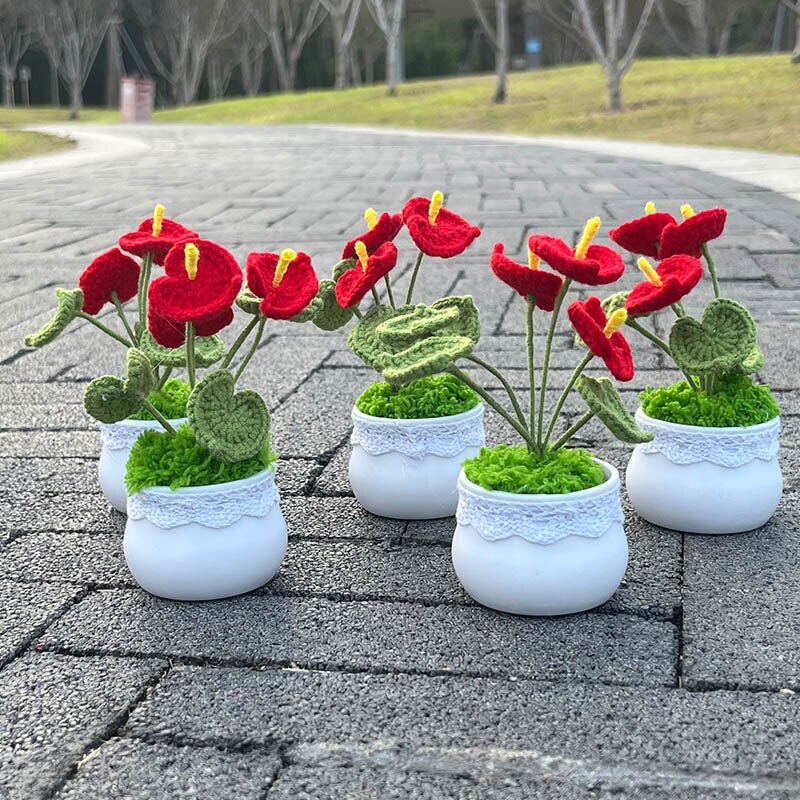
{"x":701,"y":27}
{"x":344,"y":16}
{"x":498,"y":38}
{"x":14,"y":41}
{"x":251,"y":48}
{"x":220,"y":63}
{"x":178,"y":35}
{"x":388,"y":15}
{"x":795,"y":7}
{"x":71,"y":32}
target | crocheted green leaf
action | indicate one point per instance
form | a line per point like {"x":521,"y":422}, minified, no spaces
{"x":427,"y":357}
{"x":413,"y":323}
{"x":70,"y":304}
{"x":331,"y":316}
{"x":364,"y":340}
{"x":249,"y":303}
{"x":309,"y":312}
{"x":469,"y":320}
{"x":610,"y":304}
{"x":342,"y":267}
{"x":111,"y":399}
{"x":207,"y":351}
{"x":605,"y":402}
{"x":723,"y":340}
{"x":753,"y":363}
{"x":233,"y":427}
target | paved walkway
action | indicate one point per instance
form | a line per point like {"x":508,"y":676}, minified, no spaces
{"x":363,"y":671}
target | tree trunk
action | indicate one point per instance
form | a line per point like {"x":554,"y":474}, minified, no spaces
{"x":614,"y":81}
{"x":341,"y":63}
{"x":724,"y":40}
{"x":75,"y":99}
{"x":501,"y":53}
{"x":55,"y":98}
{"x":392,"y":64}
{"x":796,"y":51}
{"x":8,"y":91}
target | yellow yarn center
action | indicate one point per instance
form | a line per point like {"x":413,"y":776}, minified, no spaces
{"x":371,"y":216}
{"x":158,"y":219}
{"x":687,"y":211}
{"x":650,"y":208}
{"x":647,"y":268}
{"x":533,"y":260}
{"x":191,"y":255}
{"x":589,"y":232}
{"x":286,"y":258}
{"x":363,"y":256}
{"x":437,"y":201}
{"x":615,"y":322}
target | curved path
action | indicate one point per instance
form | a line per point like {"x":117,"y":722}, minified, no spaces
{"x":363,"y":671}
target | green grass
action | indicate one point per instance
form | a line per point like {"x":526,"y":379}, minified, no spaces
{"x":21,"y":144}
{"x":426,"y":398}
{"x":44,"y":115}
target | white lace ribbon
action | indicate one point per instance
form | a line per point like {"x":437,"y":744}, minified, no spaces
{"x":441,"y":436}
{"x":217,"y":507}
{"x":682,"y":444}
{"x":123,"y":435}
{"x":542,"y":522}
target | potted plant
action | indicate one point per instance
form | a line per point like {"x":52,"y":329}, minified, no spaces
{"x":712,"y":464}
{"x":113,"y":279}
{"x":412,"y":430}
{"x":540,"y":524}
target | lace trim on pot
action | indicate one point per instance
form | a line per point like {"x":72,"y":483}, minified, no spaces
{"x":216,"y":509}
{"x":119,"y":436}
{"x":544,"y":523}
{"x":445,"y":438}
{"x":723,"y":448}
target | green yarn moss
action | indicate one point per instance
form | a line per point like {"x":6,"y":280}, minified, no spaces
{"x":435,"y":396}
{"x":515,"y":470}
{"x":736,"y":402}
{"x":170,"y":400}
{"x":159,"y":458}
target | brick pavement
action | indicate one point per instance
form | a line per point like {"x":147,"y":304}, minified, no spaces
{"x":363,"y":670}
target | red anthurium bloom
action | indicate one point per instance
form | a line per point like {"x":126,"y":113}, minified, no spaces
{"x":436,"y":230}
{"x":381,"y":229}
{"x":112,"y":271}
{"x":588,"y":263}
{"x":529,"y":281}
{"x":601,"y":335}
{"x":156,"y":235}
{"x":669,"y":283}
{"x":356,"y":282}
{"x":643,"y":235}
{"x":286,"y":281}
{"x":201,"y":282}
{"x":688,"y":237}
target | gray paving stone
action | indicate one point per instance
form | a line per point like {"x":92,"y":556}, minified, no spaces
{"x":313,"y":632}
{"x":32,"y":511}
{"x":55,"y":708}
{"x":126,"y":769}
{"x":56,"y":475}
{"x":336,"y":518}
{"x":50,"y":444}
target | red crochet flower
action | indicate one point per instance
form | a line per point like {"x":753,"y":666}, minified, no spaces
{"x":201,"y":292}
{"x":688,"y":237}
{"x":669,"y":283}
{"x":156,"y":235}
{"x":112,"y":271}
{"x":436,"y":230}
{"x":356,"y":282}
{"x":381,"y":230}
{"x":286,"y":281}
{"x":642,"y":235}
{"x":529,"y":281}
{"x":602,"y":338}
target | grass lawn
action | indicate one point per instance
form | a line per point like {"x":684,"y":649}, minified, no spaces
{"x":736,"y":101}
{"x":19,"y":144}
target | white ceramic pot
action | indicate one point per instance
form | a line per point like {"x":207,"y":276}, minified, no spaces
{"x":408,"y":468}
{"x":705,"y":480}
{"x":206,"y":542}
{"x":117,"y":440}
{"x":540,"y":554}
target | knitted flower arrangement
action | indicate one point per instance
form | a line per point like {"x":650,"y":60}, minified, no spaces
{"x":716,"y":353}
{"x":178,"y":318}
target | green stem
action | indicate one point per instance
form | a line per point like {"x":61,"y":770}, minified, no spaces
{"x":546,"y":365}
{"x":531,"y":371}
{"x":156,"y":414}
{"x":375,"y":296}
{"x":712,"y":268}
{"x":190,"y":359}
{"x":563,"y":398}
{"x":571,"y":431}
{"x":410,"y":293}
{"x":251,"y":352}
{"x":506,"y":385}
{"x":678,"y":309}
{"x":520,"y":429}
{"x":106,"y":330}
{"x":389,"y":292}
{"x":357,"y":311}
{"x":121,"y":314}
{"x":163,"y":379}
{"x":144,"y":282}
{"x":240,"y":340}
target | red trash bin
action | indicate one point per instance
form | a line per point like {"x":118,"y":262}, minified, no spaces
{"x":137,"y":99}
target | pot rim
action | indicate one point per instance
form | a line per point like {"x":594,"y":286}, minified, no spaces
{"x":211,"y":488}
{"x":700,"y":429}
{"x":142,"y":423}
{"x":360,"y":416}
{"x":610,"y":484}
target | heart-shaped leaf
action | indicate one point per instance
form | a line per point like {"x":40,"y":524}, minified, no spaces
{"x":364,"y":340}
{"x":110,"y":399}
{"x":342,"y":267}
{"x":753,"y":363}
{"x":331,"y":316}
{"x":70,"y":304}
{"x":469,"y":320}
{"x":412,"y":323}
{"x":207,"y":351}
{"x":610,"y":304}
{"x":249,"y":303}
{"x":233,"y":427}
{"x":309,"y":312}
{"x":427,"y":357}
{"x":721,"y":342}
{"x":605,"y":402}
